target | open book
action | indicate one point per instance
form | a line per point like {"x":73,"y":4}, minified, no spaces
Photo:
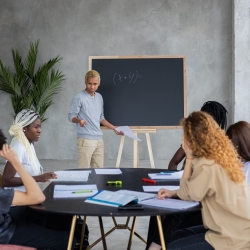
{"x":141,"y":196}
{"x":119,"y":198}
{"x":114,"y":199}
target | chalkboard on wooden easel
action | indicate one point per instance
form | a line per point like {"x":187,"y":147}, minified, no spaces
{"x":142,"y":91}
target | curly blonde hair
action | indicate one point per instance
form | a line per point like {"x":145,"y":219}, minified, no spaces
{"x":206,"y":139}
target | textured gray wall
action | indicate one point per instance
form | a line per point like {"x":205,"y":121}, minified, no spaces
{"x":75,"y":30}
{"x":241,"y":61}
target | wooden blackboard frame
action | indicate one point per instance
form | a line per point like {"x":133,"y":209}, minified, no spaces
{"x":150,"y":57}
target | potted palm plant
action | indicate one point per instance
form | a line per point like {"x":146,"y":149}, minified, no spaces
{"x":28,"y":87}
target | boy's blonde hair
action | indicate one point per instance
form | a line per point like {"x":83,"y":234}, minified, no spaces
{"x":92,"y":73}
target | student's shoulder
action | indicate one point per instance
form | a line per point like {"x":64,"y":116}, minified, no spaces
{"x":18,"y":146}
{"x":98,"y":95}
{"x":80,"y":95}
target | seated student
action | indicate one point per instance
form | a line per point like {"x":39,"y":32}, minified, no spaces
{"x":171,"y":223}
{"x":214,"y":176}
{"x":21,"y":232}
{"x":239,"y":133}
{"x":26,"y":129}
{"x":218,"y":112}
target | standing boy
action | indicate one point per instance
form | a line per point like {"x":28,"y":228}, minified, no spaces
{"x":87,"y":112}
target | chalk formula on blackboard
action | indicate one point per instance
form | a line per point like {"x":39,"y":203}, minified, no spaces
{"x":130,"y":78}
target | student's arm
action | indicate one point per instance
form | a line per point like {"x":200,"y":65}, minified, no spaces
{"x":177,"y":158}
{"x":105,"y":123}
{"x":165,"y":193}
{"x":189,"y":157}
{"x":77,"y":120}
{"x":33,"y":194}
{"x":9,"y":179}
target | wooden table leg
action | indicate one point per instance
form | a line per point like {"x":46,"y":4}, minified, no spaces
{"x":131,"y":233}
{"x":136,"y":160}
{"x":102,"y":233}
{"x":150,"y":151}
{"x":72,"y":230}
{"x":163,"y":246}
{"x":120,"y":152}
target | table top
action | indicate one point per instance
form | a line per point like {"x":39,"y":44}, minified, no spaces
{"x":131,"y":180}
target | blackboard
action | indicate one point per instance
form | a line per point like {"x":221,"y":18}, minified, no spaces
{"x":142,"y":92}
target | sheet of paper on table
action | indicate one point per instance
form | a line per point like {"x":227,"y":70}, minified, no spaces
{"x":169,"y":176}
{"x":81,"y":175}
{"x":127,"y":132}
{"x":170,"y":203}
{"x":108,"y":171}
{"x":74,"y":191}
{"x":157,"y":188}
{"x":141,"y":196}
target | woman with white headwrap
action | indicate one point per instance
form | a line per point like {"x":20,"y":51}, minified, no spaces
{"x":26,"y":129}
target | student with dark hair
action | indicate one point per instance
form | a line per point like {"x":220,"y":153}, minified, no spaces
{"x":21,"y":232}
{"x":213,"y":175}
{"x":239,"y":134}
{"x":218,"y":112}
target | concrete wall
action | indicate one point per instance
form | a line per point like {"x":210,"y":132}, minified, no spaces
{"x":75,"y":30}
{"x":241,"y":61}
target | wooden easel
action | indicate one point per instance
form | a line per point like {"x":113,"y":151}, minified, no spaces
{"x":136,"y":152}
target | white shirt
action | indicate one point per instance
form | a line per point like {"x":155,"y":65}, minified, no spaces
{"x":24,"y":159}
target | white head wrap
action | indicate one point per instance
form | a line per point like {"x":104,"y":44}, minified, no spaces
{"x":23,"y":119}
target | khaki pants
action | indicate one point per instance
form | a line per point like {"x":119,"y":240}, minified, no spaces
{"x":90,"y":152}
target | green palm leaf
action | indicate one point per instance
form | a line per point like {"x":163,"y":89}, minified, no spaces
{"x":30,"y":89}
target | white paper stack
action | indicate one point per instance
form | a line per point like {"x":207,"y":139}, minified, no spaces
{"x":72,"y":175}
{"x":108,"y":171}
{"x":168,"y":176}
{"x":170,"y":203}
{"x":157,"y":188}
{"x":74,"y":191}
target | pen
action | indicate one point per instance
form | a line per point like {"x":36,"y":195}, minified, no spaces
{"x":148,"y":180}
{"x":82,"y":191}
{"x":114,"y":182}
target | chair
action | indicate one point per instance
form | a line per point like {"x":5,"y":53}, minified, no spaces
{"x":14,"y":247}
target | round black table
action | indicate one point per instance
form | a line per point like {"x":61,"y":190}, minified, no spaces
{"x":131,"y":180}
